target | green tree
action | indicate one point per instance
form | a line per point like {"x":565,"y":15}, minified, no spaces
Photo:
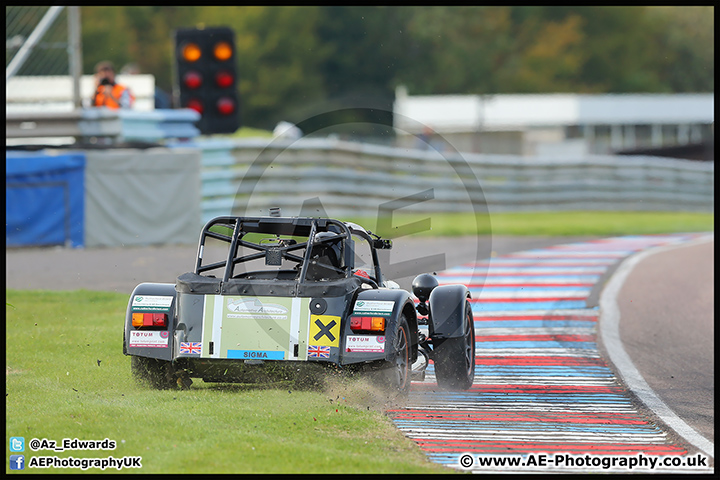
{"x":493,"y":50}
{"x":106,"y":35}
{"x":457,"y":49}
{"x":619,"y":51}
{"x":545,"y":49}
{"x":366,"y":47}
{"x":365,"y":50}
{"x":279,"y":54}
{"x":684,"y":47}
{"x":297,"y":61}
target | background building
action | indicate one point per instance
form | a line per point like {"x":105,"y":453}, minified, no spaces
{"x":677,"y":125}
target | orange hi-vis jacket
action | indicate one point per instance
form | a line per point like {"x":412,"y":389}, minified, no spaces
{"x":120,"y":97}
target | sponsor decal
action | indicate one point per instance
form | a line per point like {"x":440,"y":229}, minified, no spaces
{"x":365,"y":343}
{"x":190,"y":347}
{"x":152,"y":339}
{"x":272,"y":327}
{"x":256,"y":354}
{"x":255,"y":308}
{"x":325,"y":330}
{"x":373,"y":307}
{"x":318,"y":351}
{"x":151,"y":303}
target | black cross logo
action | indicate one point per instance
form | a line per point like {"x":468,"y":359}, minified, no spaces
{"x":324,"y":330}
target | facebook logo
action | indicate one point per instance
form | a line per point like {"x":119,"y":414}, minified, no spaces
{"x":17,"y":462}
{"x":17,"y":444}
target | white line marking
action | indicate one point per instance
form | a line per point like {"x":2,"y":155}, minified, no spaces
{"x":610,"y":331}
{"x":217,"y":324}
{"x":294,"y":327}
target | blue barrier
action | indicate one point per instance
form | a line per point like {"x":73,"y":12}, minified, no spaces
{"x":44,"y":199}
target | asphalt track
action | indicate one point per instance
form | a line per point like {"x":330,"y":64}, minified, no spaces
{"x":121,"y":269}
{"x":686,"y":386}
{"x":543,"y":389}
{"x":677,"y":312}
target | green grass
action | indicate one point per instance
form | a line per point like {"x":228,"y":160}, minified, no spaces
{"x":249,"y":132}
{"x":56,"y":389}
{"x":541,"y":223}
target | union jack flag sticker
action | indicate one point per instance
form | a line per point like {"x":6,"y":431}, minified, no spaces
{"x":318,"y":351}
{"x":190,"y":347}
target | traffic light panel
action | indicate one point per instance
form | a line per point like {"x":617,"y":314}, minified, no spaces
{"x":206,"y":77}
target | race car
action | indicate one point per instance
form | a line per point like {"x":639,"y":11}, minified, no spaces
{"x":293,"y":291}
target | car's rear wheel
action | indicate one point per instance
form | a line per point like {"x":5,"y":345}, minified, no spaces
{"x":151,"y":371}
{"x":394,"y":374}
{"x":454,"y":358}
{"x":400,"y":365}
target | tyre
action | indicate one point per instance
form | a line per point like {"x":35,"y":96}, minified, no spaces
{"x":455,"y":358}
{"x":153,"y":372}
{"x":394,"y":374}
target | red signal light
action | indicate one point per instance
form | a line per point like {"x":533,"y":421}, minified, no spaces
{"x":226,"y":106}
{"x":195,"y":104}
{"x":224,"y":79}
{"x":192,"y":79}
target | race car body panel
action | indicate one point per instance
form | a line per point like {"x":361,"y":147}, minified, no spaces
{"x":391,"y":304}
{"x":149,"y":321}
{"x":257,"y":327}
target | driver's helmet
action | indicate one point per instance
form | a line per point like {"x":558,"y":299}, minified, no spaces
{"x":327,"y":248}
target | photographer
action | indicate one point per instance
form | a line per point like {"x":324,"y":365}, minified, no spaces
{"x":108,"y":93}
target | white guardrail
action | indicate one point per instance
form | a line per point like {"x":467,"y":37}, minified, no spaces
{"x":340,"y":178}
{"x":117,"y":125}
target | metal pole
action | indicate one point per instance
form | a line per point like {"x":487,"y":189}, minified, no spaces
{"x":75,"y":53}
{"x":31,"y":41}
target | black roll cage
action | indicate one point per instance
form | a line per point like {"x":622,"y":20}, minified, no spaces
{"x":286,"y":226}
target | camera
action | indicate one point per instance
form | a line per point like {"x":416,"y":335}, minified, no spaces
{"x":105,"y":81}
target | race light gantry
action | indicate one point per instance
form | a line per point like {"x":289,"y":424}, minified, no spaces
{"x":206,"y":77}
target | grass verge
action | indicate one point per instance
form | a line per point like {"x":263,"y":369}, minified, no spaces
{"x":66,"y":377}
{"x":571,"y":223}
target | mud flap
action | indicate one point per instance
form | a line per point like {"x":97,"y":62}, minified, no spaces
{"x":447,"y":311}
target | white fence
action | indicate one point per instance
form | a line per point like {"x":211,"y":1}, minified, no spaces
{"x":338,"y":178}
{"x":54,"y":93}
{"x":116,"y":125}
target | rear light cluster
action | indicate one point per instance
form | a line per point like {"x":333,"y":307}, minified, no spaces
{"x":149,"y":319}
{"x":367,"y":324}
